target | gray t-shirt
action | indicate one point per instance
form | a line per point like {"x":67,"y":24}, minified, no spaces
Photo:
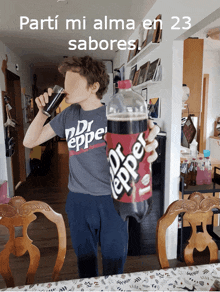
{"x":88,"y":166}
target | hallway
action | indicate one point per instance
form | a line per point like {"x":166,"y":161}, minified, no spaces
{"x":52,"y":189}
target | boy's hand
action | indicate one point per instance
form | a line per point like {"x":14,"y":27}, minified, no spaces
{"x":43,"y":99}
{"x":152,"y":144}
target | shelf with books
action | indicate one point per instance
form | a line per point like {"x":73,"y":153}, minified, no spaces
{"x":145,"y":84}
{"x":142,"y":73}
{"x":149,"y":39}
{"x":148,"y":74}
{"x":144,"y":52}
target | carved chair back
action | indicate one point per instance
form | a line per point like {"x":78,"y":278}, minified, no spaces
{"x":198,"y":211}
{"x":17,"y":213}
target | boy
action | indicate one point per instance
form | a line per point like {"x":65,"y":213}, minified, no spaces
{"x":89,"y":206}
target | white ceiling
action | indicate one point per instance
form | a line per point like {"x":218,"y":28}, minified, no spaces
{"x":209,"y":44}
{"x":51,"y":45}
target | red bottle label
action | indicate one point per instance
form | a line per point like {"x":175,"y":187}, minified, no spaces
{"x":130,"y":171}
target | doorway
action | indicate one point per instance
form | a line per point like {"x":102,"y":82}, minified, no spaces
{"x":13,"y":88}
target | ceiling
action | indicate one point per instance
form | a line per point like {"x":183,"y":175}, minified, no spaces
{"x":49,"y":46}
{"x":209,"y":44}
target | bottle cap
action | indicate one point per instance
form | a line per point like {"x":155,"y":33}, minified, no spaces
{"x":206,"y":153}
{"x":124,"y":84}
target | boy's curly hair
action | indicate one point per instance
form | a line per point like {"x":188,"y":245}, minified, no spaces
{"x":93,"y":70}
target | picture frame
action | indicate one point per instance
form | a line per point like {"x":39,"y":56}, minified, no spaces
{"x":154,"y":108}
{"x":217,"y":127}
{"x":142,"y":34}
{"x":132,"y":73}
{"x":144,"y":41}
{"x":28,"y":108}
{"x":132,"y":53}
{"x":143,"y":72}
{"x":135,"y":81}
{"x":158,"y":73}
{"x":144,"y":93}
{"x":158,"y":35}
{"x":151,"y":35}
{"x":152,"y":69}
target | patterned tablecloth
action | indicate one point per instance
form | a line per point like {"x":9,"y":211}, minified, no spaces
{"x":198,"y":278}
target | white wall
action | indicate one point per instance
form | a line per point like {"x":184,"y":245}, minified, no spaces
{"x":25,"y":79}
{"x":211,"y":66}
{"x":107,"y":96}
{"x":170,"y":89}
{"x":3,"y":162}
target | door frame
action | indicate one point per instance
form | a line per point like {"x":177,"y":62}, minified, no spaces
{"x":20,"y":167}
{"x":204,"y":113}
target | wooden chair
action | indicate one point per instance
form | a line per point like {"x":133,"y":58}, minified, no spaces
{"x":16,"y":213}
{"x":198,"y":210}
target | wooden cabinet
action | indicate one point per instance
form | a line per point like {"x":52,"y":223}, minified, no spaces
{"x":192,"y":74}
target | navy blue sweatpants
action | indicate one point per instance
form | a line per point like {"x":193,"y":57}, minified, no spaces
{"x":93,"y":220}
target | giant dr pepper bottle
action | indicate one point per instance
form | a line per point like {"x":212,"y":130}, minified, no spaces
{"x":127,"y":131}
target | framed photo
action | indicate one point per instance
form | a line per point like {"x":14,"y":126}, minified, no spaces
{"x":132,"y":73}
{"x":132,"y":53}
{"x":145,"y":37}
{"x":28,"y":108}
{"x":158,"y":30}
{"x":217,"y":127}
{"x":152,"y":69}
{"x":151,"y":35}
{"x":142,"y":34}
{"x":144,"y":93}
{"x":154,"y":108}
{"x":135,"y":81}
{"x":158,"y":73}
{"x":143,"y":72}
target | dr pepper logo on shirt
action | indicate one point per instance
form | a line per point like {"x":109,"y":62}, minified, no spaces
{"x":129,"y":169}
{"x":79,"y":138}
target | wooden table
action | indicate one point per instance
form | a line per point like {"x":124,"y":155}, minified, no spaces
{"x":198,"y":278}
